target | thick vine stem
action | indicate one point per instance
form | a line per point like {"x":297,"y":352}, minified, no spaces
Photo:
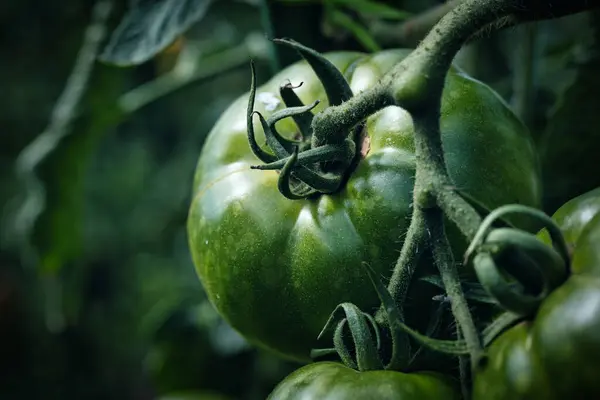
{"x":442,"y":254}
{"x":459,"y":211}
{"x":419,"y":78}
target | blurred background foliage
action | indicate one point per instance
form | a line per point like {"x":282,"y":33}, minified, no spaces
{"x":98,"y":295}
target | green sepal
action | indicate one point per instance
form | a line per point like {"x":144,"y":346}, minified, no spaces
{"x":506,"y":255}
{"x":365,"y":348}
{"x":254,"y":146}
{"x":291,"y":99}
{"x":335,"y":84}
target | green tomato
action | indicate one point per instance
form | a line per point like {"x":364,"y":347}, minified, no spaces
{"x":586,"y":259}
{"x":574,"y":215}
{"x":276,"y":268}
{"x":332,"y":381}
{"x":567,"y":334}
{"x":579,"y":221}
{"x":554,"y":357}
{"x":512,"y":370}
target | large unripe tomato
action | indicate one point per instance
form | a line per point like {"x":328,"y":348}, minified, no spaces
{"x":276,"y":268}
{"x":333,"y":381}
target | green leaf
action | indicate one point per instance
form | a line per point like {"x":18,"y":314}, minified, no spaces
{"x":149,"y":27}
{"x":357,"y":30}
{"x":374,"y":9}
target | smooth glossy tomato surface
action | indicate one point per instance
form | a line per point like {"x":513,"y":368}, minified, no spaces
{"x":276,"y":268}
{"x":334,"y":381}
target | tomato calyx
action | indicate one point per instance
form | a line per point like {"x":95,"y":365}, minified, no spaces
{"x":515,"y":267}
{"x":310,"y":163}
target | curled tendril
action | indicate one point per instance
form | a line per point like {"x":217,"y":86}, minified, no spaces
{"x":515,"y":267}
{"x":306,"y":167}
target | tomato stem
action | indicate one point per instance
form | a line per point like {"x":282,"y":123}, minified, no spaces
{"x":464,"y":370}
{"x":442,"y":254}
{"x":414,"y":244}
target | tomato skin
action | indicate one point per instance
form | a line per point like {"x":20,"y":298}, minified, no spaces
{"x":586,"y":259}
{"x":276,"y":268}
{"x":579,"y":221}
{"x":333,"y":381}
{"x":512,"y":369}
{"x":556,"y":355}
{"x":574,"y":215}
{"x":567,"y":333}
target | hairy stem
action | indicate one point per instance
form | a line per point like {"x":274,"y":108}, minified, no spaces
{"x":432,"y":178}
{"x":459,"y":211}
{"x":464,"y":370}
{"x":414,"y":82}
{"x":413,"y":247}
{"x":444,"y":260}
{"x":342,"y":118}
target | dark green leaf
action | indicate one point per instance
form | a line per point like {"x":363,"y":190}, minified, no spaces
{"x":374,"y":9}
{"x":149,"y":27}
{"x":357,"y":30}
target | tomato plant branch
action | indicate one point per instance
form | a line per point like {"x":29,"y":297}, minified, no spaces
{"x":419,"y":78}
{"x":458,"y":210}
{"x":444,"y":260}
{"x":432,"y":178}
{"x":414,"y":244}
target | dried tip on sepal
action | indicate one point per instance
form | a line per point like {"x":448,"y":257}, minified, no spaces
{"x":289,"y":85}
{"x":307,"y":167}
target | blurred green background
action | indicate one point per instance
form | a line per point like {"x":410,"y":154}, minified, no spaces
{"x":98,"y":295}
